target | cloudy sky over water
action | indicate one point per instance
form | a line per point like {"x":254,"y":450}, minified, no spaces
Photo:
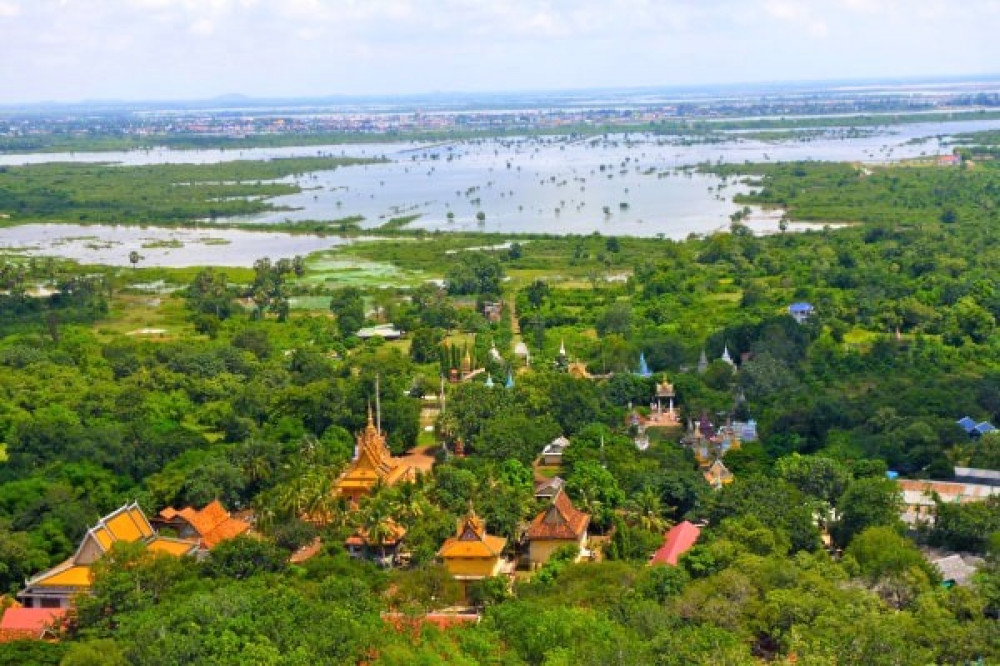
{"x":71,"y":50}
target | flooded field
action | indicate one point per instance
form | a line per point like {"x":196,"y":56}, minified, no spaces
{"x":111,"y":245}
{"x":614,"y":184}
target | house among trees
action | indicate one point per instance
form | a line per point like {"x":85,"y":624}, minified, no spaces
{"x":32,"y":624}
{"x":208,"y":526}
{"x":56,"y":587}
{"x":678,"y":540}
{"x":560,"y":524}
{"x":920,"y":496}
{"x":373,"y":464}
{"x":552,"y":454}
{"x":381,"y":546}
{"x":800,"y":312}
{"x":472,"y":554}
{"x":975,"y":430}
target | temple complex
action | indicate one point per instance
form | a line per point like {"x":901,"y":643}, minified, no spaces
{"x":373,"y":465}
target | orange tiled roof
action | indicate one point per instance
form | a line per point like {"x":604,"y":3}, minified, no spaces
{"x":561,"y":520}
{"x":128,"y":525}
{"x":175,"y":547}
{"x":472,"y":540}
{"x":228,"y":529}
{"x":212,"y":523}
{"x":374,"y":463}
{"x":64,"y":574}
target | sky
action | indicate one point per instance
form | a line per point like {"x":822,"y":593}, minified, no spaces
{"x":73,"y":50}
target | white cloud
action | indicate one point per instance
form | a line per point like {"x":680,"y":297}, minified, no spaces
{"x":9,"y":9}
{"x":202,"y":27}
{"x":321,"y":46}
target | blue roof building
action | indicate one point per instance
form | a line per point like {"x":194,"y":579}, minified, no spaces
{"x":985,"y":427}
{"x":967,"y":424}
{"x":800,"y":311}
{"x":973,"y":429}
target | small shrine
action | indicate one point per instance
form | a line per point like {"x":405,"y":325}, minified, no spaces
{"x":658,"y":416}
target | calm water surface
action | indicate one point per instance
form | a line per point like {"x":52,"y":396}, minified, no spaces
{"x":111,"y":245}
{"x":615,"y":184}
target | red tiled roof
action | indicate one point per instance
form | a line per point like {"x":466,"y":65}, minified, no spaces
{"x":441,"y":620}
{"x":678,"y":541}
{"x":20,"y":623}
{"x":560,"y":521}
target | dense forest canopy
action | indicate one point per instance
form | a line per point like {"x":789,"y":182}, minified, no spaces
{"x":254,"y":399}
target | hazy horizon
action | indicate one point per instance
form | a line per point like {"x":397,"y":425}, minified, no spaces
{"x":177,"y":50}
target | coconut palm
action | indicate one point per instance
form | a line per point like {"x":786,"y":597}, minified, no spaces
{"x":645,"y":511}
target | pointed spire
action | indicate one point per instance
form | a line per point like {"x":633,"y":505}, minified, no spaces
{"x":510,"y":380}
{"x":562,"y":347}
{"x":643,"y":366}
{"x":702,"y":362}
{"x":725,"y":355}
{"x":371,"y":422}
{"x":378,"y":407}
{"x":489,"y":380}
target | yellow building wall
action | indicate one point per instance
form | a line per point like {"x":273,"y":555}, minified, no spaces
{"x":482,"y":567}
{"x":540,"y":550}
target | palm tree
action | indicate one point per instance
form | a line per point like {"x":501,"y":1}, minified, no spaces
{"x":645,"y":511}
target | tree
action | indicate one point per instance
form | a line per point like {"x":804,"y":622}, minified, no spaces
{"x":867,"y":502}
{"x":244,"y":557}
{"x":268,"y":291}
{"x":537,"y":292}
{"x":616,"y":319}
{"x":424,"y":344}
{"x":209,"y":293}
{"x":882,"y":552}
{"x":595,"y":490}
{"x":967,"y":526}
{"x":348,"y":305}
{"x":475,"y":273}
{"x":817,"y":476}
{"x":134,"y":258}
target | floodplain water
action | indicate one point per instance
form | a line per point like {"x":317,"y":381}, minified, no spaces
{"x":622,"y":184}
